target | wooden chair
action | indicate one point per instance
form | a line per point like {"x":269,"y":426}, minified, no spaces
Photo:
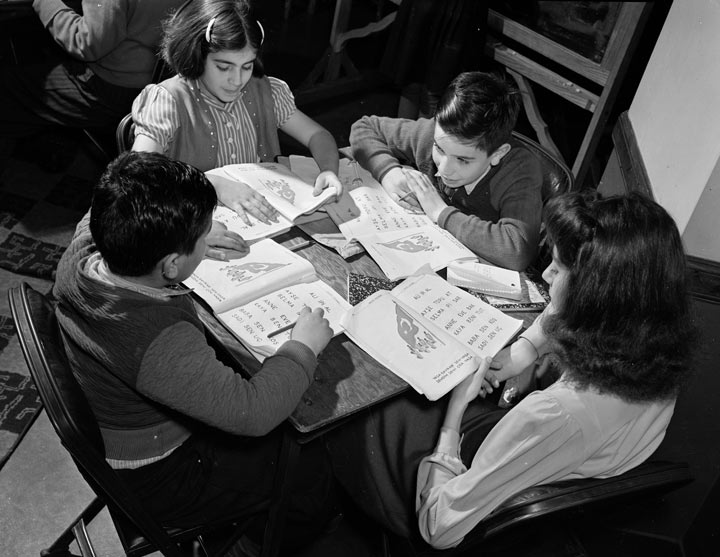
{"x":75,"y":424}
{"x":557,"y":179}
{"x":125,"y":133}
{"x":556,"y":507}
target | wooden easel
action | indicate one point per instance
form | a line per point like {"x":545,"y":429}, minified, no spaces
{"x":608,"y":73}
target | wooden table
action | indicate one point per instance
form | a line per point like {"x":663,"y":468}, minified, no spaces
{"x":347,"y":379}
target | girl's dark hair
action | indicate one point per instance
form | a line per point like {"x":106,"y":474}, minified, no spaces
{"x":184,"y":44}
{"x":624,"y":323}
{"x":147,"y":206}
{"x":479,"y":108}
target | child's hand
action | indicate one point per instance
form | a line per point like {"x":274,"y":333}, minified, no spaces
{"x":224,"y":244}
{"x":328,"y":179}
{"x":426,"y":193}
{"x":312,"y":329}
{"x":513,"y":360}
{"x":244,"y":200}
{"x":396,"y":186}
{"x":471,"y":387}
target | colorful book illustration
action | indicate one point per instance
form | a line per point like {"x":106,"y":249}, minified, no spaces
{"x":401,"y":253}
{"x":429,"y":332}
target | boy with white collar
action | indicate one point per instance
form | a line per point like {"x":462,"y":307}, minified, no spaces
{"x":467,"y":173}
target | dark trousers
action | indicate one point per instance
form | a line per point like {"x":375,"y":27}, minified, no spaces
{"x":213,"y":476}
{"x":375,"y":458}
{"x":59,"y":92}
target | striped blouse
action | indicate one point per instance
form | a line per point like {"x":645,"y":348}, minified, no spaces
{"x":155,"y":115}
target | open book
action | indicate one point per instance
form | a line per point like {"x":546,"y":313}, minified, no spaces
{"x":429,"y":332}
{"x":366,"y":208}
{"x":262,"y":292}
{"x":289,"y":194}
{"x":401,"y":253}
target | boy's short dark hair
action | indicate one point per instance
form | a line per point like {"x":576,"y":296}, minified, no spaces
{"x":146,"y":206}
{"x":479,"y":108}
{"x":185,"y":46}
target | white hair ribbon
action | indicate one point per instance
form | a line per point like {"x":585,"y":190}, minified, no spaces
{"x":262,"y":33}
{"x":208,"y":31}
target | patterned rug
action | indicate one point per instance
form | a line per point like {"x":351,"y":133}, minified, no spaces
{"x":39,"y":207}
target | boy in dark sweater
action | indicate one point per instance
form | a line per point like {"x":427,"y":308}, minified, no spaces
{"x":466,"y":172}
{"x":190,"y":436}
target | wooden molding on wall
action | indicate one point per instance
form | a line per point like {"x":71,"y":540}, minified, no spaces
{"x":704,"y":274}
{"x":631,"y":162}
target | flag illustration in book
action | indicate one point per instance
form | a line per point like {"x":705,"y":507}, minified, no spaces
{"x":419,"y":341}
{"x":281,"y":188}
{"x":242,"y":273}
{"x":413,"y":243}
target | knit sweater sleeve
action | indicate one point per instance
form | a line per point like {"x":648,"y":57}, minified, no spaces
{"x":87,"y":36}
{"x":180,"y":370}
{"x":512,"y":241}
{"x":380,"y":144}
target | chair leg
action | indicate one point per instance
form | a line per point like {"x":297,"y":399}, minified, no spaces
{"x":61,"y":546}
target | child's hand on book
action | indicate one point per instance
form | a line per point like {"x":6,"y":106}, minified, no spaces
{"x":328,"y":179}
{"x":396,"y":186}
{"x":312,"y":329}
{"x":480,"y":383}
{"x":426,"y":193}
{"x":224,"y":244}
{"x":243,"y":199}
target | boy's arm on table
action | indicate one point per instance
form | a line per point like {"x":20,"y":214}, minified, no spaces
{"x":383,"y":145}
{"x":180,"y":370}
{"x":512,"y":241}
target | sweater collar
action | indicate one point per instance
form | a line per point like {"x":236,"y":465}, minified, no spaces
{"x":96,"y":268}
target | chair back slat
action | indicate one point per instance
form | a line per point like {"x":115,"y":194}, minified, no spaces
{"x":70,"y":413}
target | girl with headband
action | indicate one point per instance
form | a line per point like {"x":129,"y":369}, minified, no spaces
{"x":222,"y":109}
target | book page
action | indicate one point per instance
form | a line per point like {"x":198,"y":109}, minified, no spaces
{"x":257,"y":230}
{"x":479,"y":326}
{"x":252,"y":322}
{"x":411,"y":347}
{"x":284,"y":190}
{"x":485,"y":278}
{"x":365,"y":207}
{"x":401,"y":253}
{"x":268,"y":267}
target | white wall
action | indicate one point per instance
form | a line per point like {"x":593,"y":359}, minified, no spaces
{"x":676,"y":114}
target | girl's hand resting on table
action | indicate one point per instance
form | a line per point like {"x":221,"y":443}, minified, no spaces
{"x":328,"y":179}
{"x":224,"y":244}
{"x":396,"y":186}
{"x":312,"y":329}
{"x":244,"y":200}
